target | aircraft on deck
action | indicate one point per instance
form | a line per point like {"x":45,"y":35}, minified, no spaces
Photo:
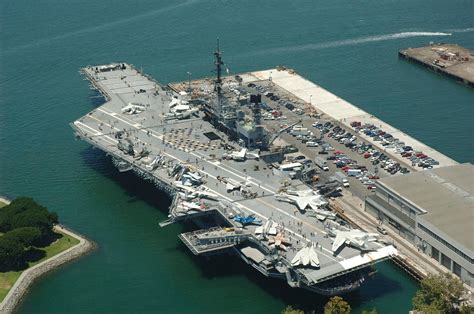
{"x":307,"y":198}
{"x":247,"y":220}
{"x":133,"y":108}
{"x":230,"y":184}
{"x":156,"y":162}
{"x":355,"y":238}
{"x":187,"y":206}
{"x":279,"y":241}
{"x":191,"y":178}
{"x":306,"y":256}
{"x":242,"y":155}
{"x":180,"y":109}
{"x":189,"y":193}
{"x":323,"y":214}
{"x":269,"y":228}
{"x":237,"y":156}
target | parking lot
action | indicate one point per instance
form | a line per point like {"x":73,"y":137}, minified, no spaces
{"x":315,"y":136}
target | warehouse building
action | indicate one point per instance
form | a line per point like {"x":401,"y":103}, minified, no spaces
{"x":434,"y":209}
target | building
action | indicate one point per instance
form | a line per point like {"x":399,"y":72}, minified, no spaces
{"x":434,"y":209}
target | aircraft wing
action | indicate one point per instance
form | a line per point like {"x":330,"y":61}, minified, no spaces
{"x":242,"y":153}
{"x":272,"y":231}
{"x":297,"y":259}
{"x":208,"y":195}
{"x":301,"y":203}
{"x":321,"y":217}
{"x":339,"y":240}
{"x":313,"y":257}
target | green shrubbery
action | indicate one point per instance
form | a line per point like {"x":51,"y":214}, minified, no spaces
{"x":24,"y":224}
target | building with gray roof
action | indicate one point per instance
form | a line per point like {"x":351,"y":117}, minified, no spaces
{"x":434,"y":209}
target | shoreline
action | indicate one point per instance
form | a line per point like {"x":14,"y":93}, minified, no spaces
{"x":21,"y":287}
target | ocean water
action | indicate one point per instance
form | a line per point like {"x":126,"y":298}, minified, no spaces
{"x":348,"y":47}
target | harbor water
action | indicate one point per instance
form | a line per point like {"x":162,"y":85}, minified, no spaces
{"x":350,"y":48}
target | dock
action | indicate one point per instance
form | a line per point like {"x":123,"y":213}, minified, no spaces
{"x":449,"y":59}
{"x":245,"y":158}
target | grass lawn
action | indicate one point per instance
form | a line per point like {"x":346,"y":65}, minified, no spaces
{"x":8,"y":279}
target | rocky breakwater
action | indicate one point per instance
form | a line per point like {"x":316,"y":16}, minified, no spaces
{"x":27,"y":278}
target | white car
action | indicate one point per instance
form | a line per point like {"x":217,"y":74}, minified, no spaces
{"x":312,"y":144}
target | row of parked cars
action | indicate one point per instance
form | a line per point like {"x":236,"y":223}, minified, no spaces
{"x":364,"y":149}
{"x":417,"y":158}
{"x":267,"y":92}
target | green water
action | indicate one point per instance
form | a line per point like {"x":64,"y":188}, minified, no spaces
{"x":348,"y":47}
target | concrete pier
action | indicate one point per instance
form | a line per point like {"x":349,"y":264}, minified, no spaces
{"x":342,"y":111}
{"x":449,"y":59}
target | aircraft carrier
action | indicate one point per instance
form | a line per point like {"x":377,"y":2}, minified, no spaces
{"x":205,"y":144}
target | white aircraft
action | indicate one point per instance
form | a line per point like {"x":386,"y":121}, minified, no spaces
{"x":155,"y":163}
{"x":355,"y":238}
{"x":306,"y":256}
{"x":191,"y":206}
{"x":231,"y":184}
{"x":191,"y":178}
{"x":175,"y":102}
{"x":303,"y":199}
{"x":189,"y":193}
{"x":133,"y":108}
{"x":269,"y":228}
{"x":237,"y":156}
{"x":253,"y":154}
{"x":186,"y":114}
{"x":323,"y":214}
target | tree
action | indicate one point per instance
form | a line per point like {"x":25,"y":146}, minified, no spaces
{"x":372,"y":311}
{"x":11,"y":253}
{"x":442,"y":293}
{"x":26,"y":236}
{"x":25,"y":212}
{"x":337,"y":305}
{"x":290,"y":310}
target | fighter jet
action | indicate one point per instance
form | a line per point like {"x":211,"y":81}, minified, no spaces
{"x":230,"y":184}
{"x":306,"y":256}
{"x":189,"y":206}
{"x":191,"y":178}
{"x":189,"y":193}
{"x":279,"y":241}
{"x":155,"y":163}
{"x":269,"y":228}
{"x":247,"y":220}
{"x":133,"y":108}
{"x":323,"y":214}
{"x":355,"y":238}
{"x":237,"y":156}
{"x":186,"y":113}
{"x":303,"y":199}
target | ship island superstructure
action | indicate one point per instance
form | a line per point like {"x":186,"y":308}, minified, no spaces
{"x":208,"y":148}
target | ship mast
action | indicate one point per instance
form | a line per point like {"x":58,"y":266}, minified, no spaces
{"x":218,"y":82}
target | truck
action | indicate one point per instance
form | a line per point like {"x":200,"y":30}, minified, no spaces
{"x":321,"y":163}
{"x":341,"y":178}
